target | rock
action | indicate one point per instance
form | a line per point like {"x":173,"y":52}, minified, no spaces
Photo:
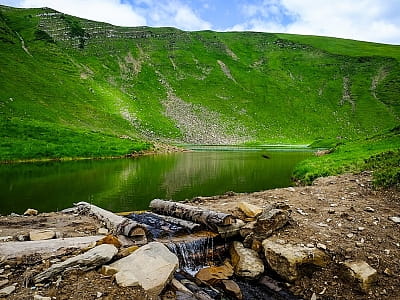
{"x":87,"y":261}
{"x":5,"y":292}
{"x":31,"y":212}
{"x":109,"y":239}
{"x":38,"y":297}
{"x":213,"y":275}
{"x":288,"y":261}
{"x":250,"y":210}
{"x":369,"y":209}
{"x":231,"y":230}
{"x":360,"y":273}
{"x":41,"y":234}
{"x":232,"y":288}
{"x":99,"y":294}
{"x":247,"y":229}
{"x":246,"y":262}
{"x":8,"y":238}
{"x":395,"y":219}
{"x":151,"y":266}
{"x":126,"y":251}
{"x":102,"y":231}
{"x":22,"y":237}
{"x":321,"y":246}
{"x":179,"y":286}
{"x":108,"y":271}
{"x":3,"y":282}
{"x":270,"y":221}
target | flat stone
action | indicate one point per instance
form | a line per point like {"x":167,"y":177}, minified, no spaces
{"x":102,"y":230}
{"x":250,"y":210}
{"x":3,"y":282}
{"x":289,"y":261}
{"x":41,"y":234}
{"x":38,"y":297}
{"x":31,"y":212}
{"x":232,"y":288}
{"x":108,"y":271}
{"x":215,"y":274}
{"x":151,"y":266}
{"x":360,"y":273}
{"x":269,"y":222}
{"x":5,"y":292}
{"x":395,"y":219}
{"x":246,"y":262}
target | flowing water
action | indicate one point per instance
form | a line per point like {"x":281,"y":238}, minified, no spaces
{"x":130,"y":184}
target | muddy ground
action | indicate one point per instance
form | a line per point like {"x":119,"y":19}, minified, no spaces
{"x":344,"y":213}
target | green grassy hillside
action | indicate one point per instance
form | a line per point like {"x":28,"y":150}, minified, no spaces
{"x":77,"y":88}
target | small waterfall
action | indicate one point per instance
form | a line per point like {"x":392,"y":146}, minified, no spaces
{"x":194,"y":255}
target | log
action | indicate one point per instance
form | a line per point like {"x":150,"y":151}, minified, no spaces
{"x":46,"y":248}
{"x":114,"y":223}
{"x":85,"y":262}
{"x":190,"y":226}
{"x":195,"y":214}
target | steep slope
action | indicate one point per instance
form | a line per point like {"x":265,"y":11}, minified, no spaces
{"x":74,"y":87}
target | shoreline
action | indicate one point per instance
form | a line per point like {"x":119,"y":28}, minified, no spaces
{"x":343,"y":213}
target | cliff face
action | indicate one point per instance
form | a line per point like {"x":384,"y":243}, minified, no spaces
{"x":125,"y":85}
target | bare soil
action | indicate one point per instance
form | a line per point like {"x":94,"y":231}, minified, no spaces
{"x":344,"y":213}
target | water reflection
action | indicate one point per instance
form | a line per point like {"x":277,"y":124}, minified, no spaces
{"x":129,"y":184}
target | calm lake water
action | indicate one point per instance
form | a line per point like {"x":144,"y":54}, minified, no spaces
{"x":130,"y":184}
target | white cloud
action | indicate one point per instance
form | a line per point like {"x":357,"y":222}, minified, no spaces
{"x":111,"y":11}
{"x":369,"y":20}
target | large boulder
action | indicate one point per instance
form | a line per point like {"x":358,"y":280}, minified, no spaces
{"x":288,"y":261}
{"x":246,"y":262}
{"x":359,"y":273}
{"x":151,"y":267}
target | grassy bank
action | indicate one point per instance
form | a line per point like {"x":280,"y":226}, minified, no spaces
{"x":379,"y":153}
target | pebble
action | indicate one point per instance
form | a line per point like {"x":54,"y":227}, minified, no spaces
{"x":3,"y":282}
{"x":395,"y":219}
{"x":6,"y":238}
{"x":350,"y":235}
{"x":369,"y":209}
{"x":331,"y":211}
{"x":387,"y":251}
{"x":39,"y":297}
{"x":360,"y":228}
{"x":5,"y":292}
{"x":99,"y":294}
{"x":310,"y":246}
{"x":323,"y":225}
{"x":333,"y":205}
{"x":321,"y":246}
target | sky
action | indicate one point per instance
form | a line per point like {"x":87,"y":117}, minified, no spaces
{"x":366,"y":20}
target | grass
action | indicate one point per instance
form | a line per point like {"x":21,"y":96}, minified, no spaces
{"x":379,"y":153}
{"x":90,"y":89}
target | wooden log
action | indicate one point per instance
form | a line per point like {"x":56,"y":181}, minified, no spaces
{"x":206,"y":217}
{"x":46,"y":248}
{"x":85,"y":262}
{"x":114,"y":223}
{"x":190,"y":226}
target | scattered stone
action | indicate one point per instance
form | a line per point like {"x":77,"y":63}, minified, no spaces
{"x":289,"y":260}
{"x":126,"y":251}
{"x":388,"y":272}
{"x":395,"y":219}
{"x":291,"y":189}
{"x":8,"y":238}
{"x":14,"y":215}
{"x":41,"y":234}
{"x":108,"y":271}
{"x":321,"y":246}
{"x":99,"y":294}
{"x":361,"y":228}
{"x":5,"y":292}
{"x":246,"y":262}
{"x":38,"y":297}
{"x":301,"y":212}
{"x":89,"y":260}
{"x":232,"y":288}
{"x":213,"y":275}
{"x":387,"y":251}
{"x":369,"y":209}
{"x":269,"y":222}
{"x":331,"y":211}
{"x":350,"y":235}
{"x":360,"y":273}
{"x":102,"y":230}
{"x":23,"y":237}
{"x":3,"y":282}
{"x":323,"y":225}
{"x":151,"y":266}
{"x":250,"y":210}
{"x":31,"y":212}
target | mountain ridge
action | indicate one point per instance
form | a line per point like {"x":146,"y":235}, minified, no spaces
{"x":107,"y":90}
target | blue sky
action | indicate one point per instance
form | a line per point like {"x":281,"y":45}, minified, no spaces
{"x":368,"y":20}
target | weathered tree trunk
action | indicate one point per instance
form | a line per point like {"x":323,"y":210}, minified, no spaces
{"x":115,"y":224}
{"x":190,"y":226}
{"x":209,"y":218}
{"x":47,"y":248}
{"x":85,"y":262}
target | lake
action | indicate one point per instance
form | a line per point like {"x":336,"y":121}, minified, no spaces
{"x":130,"y":184}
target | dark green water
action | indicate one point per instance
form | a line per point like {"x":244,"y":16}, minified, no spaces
{"x":130,"y":184}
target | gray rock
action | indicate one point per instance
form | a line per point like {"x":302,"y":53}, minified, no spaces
{"x":5,"y":292}
{"x":369,"y":209}
{"x":289,"y":260}
{"x":360,"y":273}
{"x":41,"y":234}
{"x":395,"y":219}
{"x":245,"y":261}
{"x":151,"y":267}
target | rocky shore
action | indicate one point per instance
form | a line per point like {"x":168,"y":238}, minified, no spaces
{"x":336,"y":239}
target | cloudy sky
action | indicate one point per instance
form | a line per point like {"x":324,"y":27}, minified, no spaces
{"x":367,"y":20}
